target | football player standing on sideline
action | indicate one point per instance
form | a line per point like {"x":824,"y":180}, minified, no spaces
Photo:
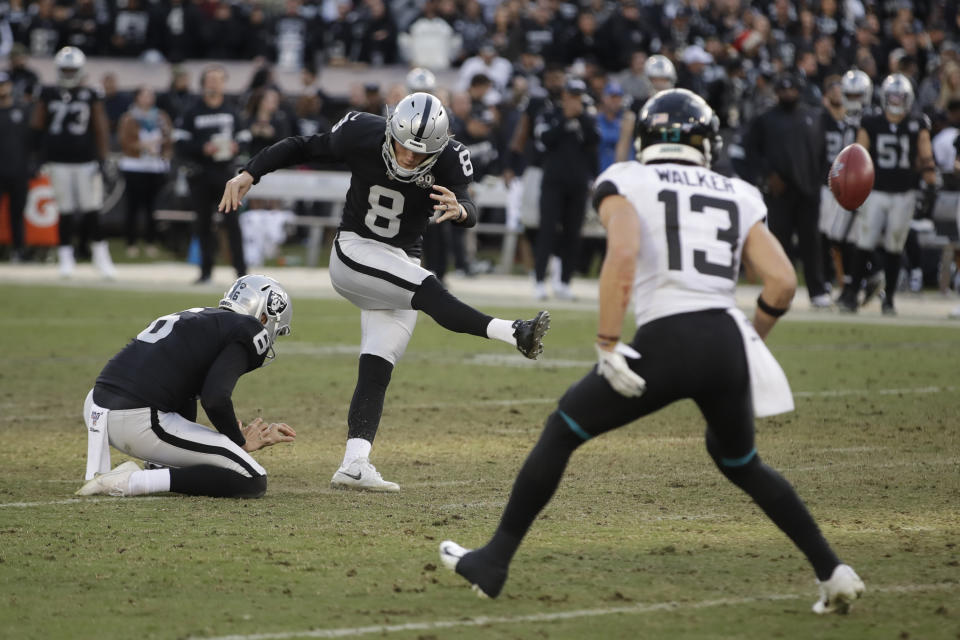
{"x":145,"y":400}
{"x":899,"y":145}
{"x":676,"y":233}
{"x":400,"y":166}
{"x":73,"y":133}
{"x":207,"y":136}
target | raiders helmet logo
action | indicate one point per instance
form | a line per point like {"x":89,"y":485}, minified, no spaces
{"x":425,"y":181}
{"x":276,"y":303}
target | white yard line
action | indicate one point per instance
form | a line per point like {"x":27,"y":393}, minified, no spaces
{"x":48,"y":503}
{"x":482,"y":621}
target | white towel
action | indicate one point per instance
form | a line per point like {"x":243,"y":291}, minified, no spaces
{"x":768,"y":383}
{"x":98,"y":444}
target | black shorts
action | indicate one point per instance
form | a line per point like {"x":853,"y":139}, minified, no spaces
{"x":697,"y":355}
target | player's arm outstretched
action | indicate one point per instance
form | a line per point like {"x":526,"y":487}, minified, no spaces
{"x":285,"y":153}
{"x":765,"y":258}
{"x":615,"y":286}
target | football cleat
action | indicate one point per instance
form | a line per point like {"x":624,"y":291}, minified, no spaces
{"x":360,"y":475}
{"x":821,"y":301}
{"x":112,"y":483}
{"x":873,"y":286}
{"x":485,"y":579}
{"x":887,"y":308}
{"x":846,"y":304}
{"x":837,"y":593}
{"x":529,"y":334}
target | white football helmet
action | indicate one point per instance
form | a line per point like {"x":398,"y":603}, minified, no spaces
{"x":896,"y":95}
{"x":419,"y":123}
{"x":264,"y":299}
{"x":420,"y":79}
{"x":661,"y":72}
{"x":69,"y":62}
{"x":857,"y":92}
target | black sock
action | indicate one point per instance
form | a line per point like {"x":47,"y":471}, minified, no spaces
{"x":858,"y":268}
{"x":535,"y":484}
{"x":216,"y":482}
{"x":366,"y":407}
{"x":450,"y":313}
{"x":891,"y":271}
{"x":783,"y":506}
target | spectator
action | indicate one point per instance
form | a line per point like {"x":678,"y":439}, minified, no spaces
{"x":130,"y":30}
{"x":479,"y":91}
{"x":41,"y":29}
{"x":378,"y":43}
{"x":472,"y":30}
{"x":536,"y":31}
{"x":175,"y":100}
{"x":344,"y":34}
{"x":487,"y":62}
{"x":609,"y":119}
{"x":86,"y":27}
{"x":173,"y":29}
{"x":949,"y":86}
{"x":15,"y":150}
{"x":291,"y":36}
{"x":431,"y":41}
{"x":224,"y":34}
{"x":265,"y":120}
{"x":115,"y":102}
{"x":691,"y":75}
{"x":257,"y":42}
{"x":207,"y":138}
{"x":582,"y":43}
{"x":784,"y":149}
{"x":570,"y":139}
{"x":310,"y":119}
{"x":621,"y":35}
{"x":634,"y":80}
{"x":24,"y":79}
{"x":146,"y":143}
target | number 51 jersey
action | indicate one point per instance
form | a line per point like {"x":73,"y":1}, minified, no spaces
{"x":693,"y":223}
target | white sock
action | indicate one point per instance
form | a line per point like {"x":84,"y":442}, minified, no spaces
{"x":149,"y":481}
{"x":356,"y":448}
{"x":501,"y":330}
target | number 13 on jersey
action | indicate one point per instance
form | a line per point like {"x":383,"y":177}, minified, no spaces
{"x":696,"y":229}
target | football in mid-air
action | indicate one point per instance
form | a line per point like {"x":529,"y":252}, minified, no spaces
{"x":851,"y":176}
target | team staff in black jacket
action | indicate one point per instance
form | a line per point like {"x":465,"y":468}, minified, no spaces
{"x":784,"y":151}
{"x":570,"y":137}
{"x":208,"y":137}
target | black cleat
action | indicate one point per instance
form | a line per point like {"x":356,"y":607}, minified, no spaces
{"x":887,"y":308}
{"x":485,"y":577}
{"x":846,"y":305}
{"x":529,"y":334}
{"x":873,"y":286}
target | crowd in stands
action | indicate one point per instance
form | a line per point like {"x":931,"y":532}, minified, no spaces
{"x":728,"y":51}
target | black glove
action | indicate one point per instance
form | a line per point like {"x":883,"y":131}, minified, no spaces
{"x":926,"y":201}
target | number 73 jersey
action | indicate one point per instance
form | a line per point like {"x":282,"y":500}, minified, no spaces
{"x":69,"y":124}
{"x":693,"y":223}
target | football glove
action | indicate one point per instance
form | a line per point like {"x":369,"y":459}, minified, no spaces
{"x":613,"y":366}
{"x":926,"y":201}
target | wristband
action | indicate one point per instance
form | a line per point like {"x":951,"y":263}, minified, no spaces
{"x":769,"y":310}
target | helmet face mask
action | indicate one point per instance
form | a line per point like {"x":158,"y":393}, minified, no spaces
{"x":896,"y":95}
{"x":857,"y":91}
{"x":69,"y":62}
{"x":677,"y":126}
{"x":420,"y":124}
{"x":264,"y":299}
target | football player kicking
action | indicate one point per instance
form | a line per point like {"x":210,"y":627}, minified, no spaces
{"x":70,"y":122}
{"x":400,"y":166}
{"x":144,"y":402}
{"x":681,"y":259}
{"x":899,"y":145}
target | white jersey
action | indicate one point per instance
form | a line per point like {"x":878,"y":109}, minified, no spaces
{"x":693,"y":223}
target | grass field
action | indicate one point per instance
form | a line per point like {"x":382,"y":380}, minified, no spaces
{"x":643,"y":540}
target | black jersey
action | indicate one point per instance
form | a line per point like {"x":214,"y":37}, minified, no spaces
{"x":893,"y":149}
{"x":69,"y":135}
{"x":200,"y":124}
{"x":377,"y":207}
{"x":539,"y":111}
{"x":837,"y":134}
{"x":166,"y":365}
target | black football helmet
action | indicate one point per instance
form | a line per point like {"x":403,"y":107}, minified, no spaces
{"x":677,"y":125}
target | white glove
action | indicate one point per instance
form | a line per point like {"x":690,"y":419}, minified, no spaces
{"x":612,"y":365}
